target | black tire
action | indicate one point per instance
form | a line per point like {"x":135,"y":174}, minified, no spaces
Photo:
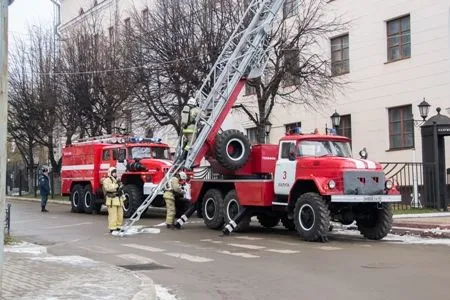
{"x":76,"y":197}
{"x":312,"y":217}
{"x":377,"y":222}
{"x":232,"y":149}
{"x":133,"y":199}
{"x":288,"y":223}
{"x":268,"y":221}
{"x":212,"y":212}
{"x":88,"y":200}
{"x":231,"y":207}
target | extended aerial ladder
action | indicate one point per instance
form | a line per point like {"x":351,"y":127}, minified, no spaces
{"x":244,"y":56}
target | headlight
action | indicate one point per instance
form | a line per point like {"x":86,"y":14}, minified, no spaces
{"x":331,"y":184}
{"x":389,"y":184}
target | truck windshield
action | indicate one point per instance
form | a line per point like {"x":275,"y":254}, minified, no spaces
{"x":150,"y":152}
{"x":324,"y":148}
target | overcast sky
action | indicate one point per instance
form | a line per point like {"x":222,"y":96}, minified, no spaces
{"x":25,"y":13}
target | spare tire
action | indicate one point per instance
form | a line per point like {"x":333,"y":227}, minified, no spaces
{"x":232,"y":149}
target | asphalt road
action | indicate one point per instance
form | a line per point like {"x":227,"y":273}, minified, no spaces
{"x":197,"y":263}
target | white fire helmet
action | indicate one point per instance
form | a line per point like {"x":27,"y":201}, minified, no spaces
{"x":192,"y":102}
{"x":183,"y":175}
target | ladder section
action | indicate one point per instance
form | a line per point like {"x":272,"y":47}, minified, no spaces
{"x":244,"y":56}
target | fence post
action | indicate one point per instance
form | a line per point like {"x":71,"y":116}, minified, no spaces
{"x":20,"y":182}
{"x":52,"y":187}
{"x":8,"y":218}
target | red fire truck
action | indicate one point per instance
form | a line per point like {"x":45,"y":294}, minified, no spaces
{"x":141,"y":164}
{"x":305,"y":181}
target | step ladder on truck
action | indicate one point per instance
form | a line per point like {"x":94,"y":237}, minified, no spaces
{"x":306,"y":181}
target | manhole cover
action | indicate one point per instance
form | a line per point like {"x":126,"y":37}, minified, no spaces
{"x":381,"y":266}
{"x":144,"y":267}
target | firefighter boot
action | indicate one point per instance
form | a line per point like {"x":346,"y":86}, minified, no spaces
{"x":43,"y":209}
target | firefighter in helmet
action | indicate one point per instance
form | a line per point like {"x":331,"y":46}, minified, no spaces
{"x":173,"y":190}
{"x":113,"y":191}
{"x":188,"y":115}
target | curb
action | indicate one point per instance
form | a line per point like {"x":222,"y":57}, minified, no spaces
{"x":422,"y":226}
{"x":421,"y":232}
{"x":38,"y":200}
{"x":427,"y":215}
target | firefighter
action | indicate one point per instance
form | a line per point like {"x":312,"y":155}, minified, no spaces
{"x":113,"y":191}
{"x":173,"y":190}
{"x":188,"y":115}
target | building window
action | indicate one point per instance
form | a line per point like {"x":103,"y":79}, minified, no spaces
{"x":401,"y":127}
{"x":249,"y":90}
{"x":111,"y":33}
{"x":289,"y":8}
{"x":345,"y":127}
{"x":399,"y":38}
{"x":291,"y":126}
{"x":252,"y":135}
{"x":127,"y":23}
{"x":291,"y":65}
{"x":145,"y":17}
{"x":339,"y":55}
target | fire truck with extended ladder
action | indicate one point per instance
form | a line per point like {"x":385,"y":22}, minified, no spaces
{"x":141,"y":164}
{"x":306,"y":181}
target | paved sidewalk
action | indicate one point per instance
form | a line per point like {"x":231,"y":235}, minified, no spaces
{"x":30,"y":273}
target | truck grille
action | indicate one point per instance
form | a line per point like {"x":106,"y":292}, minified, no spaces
{"x":363,"y":183}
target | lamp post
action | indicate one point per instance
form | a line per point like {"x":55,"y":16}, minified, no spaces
{"x":267,"y":129}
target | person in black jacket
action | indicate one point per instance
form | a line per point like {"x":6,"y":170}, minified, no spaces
{"x":44,"y":189}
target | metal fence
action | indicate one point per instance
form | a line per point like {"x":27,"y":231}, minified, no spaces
{"x":7,"y":227}
{"x":415,"y":182}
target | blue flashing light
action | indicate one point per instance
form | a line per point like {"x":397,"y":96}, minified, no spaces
{"x":139,"y":139}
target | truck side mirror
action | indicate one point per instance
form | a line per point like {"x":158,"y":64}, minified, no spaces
{"x":363,"y":153}
{"x":291,"y":155}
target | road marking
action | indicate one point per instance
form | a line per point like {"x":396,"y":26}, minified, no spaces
{"x":211,"y":241}
{"x":284,"y":243}
{"x":253,"y":247}
{"x":250,"y":238}
{"x":241,"y":254}
{"x":137,"y":258}
{"x":145,"y":248}
{"x":160,"y":225}
{"x":191,"y":258}
{"x":25,"y":221}
{"x":329,"y":248}
{"x":70,"y":225}
{"x":97,"y":249}
{"x":283,"y":251}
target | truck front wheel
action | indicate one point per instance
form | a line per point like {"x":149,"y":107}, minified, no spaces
{"x":133,"y":199}
{"x":212,"y":209}
{"x":312,"y":217}
{"x":76,"y":198}
{"x":375,"y":223}
{"x":231,"y":208}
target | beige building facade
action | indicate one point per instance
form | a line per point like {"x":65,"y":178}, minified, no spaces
{"x":394,"y":54}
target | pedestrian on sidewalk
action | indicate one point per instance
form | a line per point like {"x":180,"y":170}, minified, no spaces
{"x":172,"y":190}
{"x":113,"y":191}
{"x":44,"y":188}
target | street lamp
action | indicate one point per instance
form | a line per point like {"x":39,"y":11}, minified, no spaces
{"x":335,"y":120}
{"x":424,"y":107}
{"x":267,"y":128}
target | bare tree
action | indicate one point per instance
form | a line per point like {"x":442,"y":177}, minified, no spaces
{"x":32,"y":113}
{"x":96,"y":85}
{"x":173,"y":45}
{"x":298,"y":71}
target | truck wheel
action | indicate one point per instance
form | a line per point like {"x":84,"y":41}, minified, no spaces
{"x":376,"y":223}
{"x":76,"y":197}
{"x":87,"y":200}
{"x":133,"y":199}
{"x":212,"y":209}
{"x":288,"y":223}
{"x":312,"y":217}
{"x":232,"y":149}
{"x":268,"y":221}
{"x":231,"y":208}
